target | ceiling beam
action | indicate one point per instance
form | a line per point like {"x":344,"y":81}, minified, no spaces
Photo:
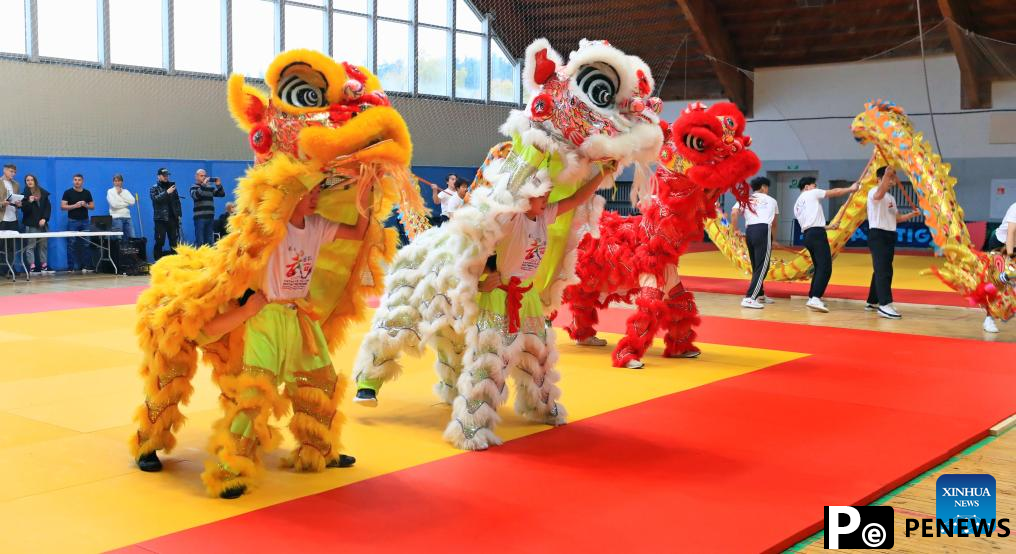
{"x":975,"y":79}
{"x":712,"y":37}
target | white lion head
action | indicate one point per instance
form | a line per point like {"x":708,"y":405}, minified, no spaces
{"x":598,"y":105}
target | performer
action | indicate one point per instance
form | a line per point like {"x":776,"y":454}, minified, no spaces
{"x":882,"y":219}
{"x":268,"y":301}
{"x":811,"y":217}
{"x":635,"y":258}
{"x":1004,"y":239}
{"x":583,"y":117}
{"x":760,"y":233}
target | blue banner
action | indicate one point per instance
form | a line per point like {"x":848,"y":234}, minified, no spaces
{"x":908,"y":235}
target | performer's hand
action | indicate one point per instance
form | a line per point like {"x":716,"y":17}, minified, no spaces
{"x":492,"y":282}
{"x":256,"y":302}
{"x":832,"y":227}
{"x":855,"y":187}
{"x":738,"y":233}
{"x":171,"y":189}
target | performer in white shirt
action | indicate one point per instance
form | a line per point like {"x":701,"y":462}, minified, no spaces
{"x":811,"y":217}
{"x":450,"y":198}
{"x":760,"y":235}
{"x":1004,"y":238}
{"x":882,"y":219}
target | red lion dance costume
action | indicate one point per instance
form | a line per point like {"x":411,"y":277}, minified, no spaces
{"x":635,"y":258}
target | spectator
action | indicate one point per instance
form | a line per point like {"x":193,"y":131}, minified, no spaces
{"x":120,"y":201}
{"x":76,"y":201}
{"x":222,"y":222}
{"x":167,"y":210}
{"x":8,"y":208}
{"x":35,"y":213}
{"x":203,"y":191}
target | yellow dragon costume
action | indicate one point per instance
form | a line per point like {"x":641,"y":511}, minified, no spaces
{"x":322,"y":122}
{"x":985,"y":279}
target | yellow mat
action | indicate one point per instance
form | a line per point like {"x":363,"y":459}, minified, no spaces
{"x":849,"y":268}
{"x":68,"y":386}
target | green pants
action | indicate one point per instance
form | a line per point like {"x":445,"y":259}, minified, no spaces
{"x":274,"y":344}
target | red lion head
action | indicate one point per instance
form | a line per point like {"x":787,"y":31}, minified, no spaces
{"x":709,"y":146}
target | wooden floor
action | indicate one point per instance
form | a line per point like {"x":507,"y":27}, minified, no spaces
{"x":67,"y":282}
{"x":917,"y":500}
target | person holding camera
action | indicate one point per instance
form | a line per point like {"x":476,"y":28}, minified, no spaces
{"x":166,"y":213}
{"x":203,"y":192}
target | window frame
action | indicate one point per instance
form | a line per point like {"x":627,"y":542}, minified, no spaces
{"x":328,"y":9}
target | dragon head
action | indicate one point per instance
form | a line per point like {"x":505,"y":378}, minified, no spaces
{"x":880,"y":121}
{"x":710,"y":147}
{"x":599,"y":104}
{"x":322,"y":112}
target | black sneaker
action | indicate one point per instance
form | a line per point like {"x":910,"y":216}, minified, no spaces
{"x":233,"y":492}
{"x":342,"y":461}
{"x":366,"y":397}
{"x":149,"y":462}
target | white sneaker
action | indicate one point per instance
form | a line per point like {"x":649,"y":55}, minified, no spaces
{"x":592,"y":341}
{"x":635,"y":364}
{"x":889,"y":312}
{"x":87,"y":271}
{"x":989,"y":325}
{"x":765,"y":300}
{"x":870,"y":307}
{"x":752,"y":303}
{"x":817,"y":304}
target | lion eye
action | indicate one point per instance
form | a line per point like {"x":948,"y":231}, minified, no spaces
{"x":599,"y":82}
{"x":297,"y":92}
{"x":695,"y":143}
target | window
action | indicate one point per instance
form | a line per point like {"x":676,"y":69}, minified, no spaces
{"x":503,"y":87}
{"x":393,"y":55}
{"x":351,"y":38}
{"x":395,"y":9}
{"x":12,"y":38}
{"x":197,"y":36}
{"x":432,"y":62}
{"x":432,"y":12}
{"x":358,"y":6}
{"x":305,"y":28}
{"x":69,"y":30}
{"x":410,"y":51}
{"x":253,"y":31}
{"x":135,"y":32}
{"x":470,"y":66}
{"x":465,"y":18}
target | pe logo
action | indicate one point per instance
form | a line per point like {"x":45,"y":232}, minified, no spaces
{"x":858,"y":527}
{"x":965,"y":501}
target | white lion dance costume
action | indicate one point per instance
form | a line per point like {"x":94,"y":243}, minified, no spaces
{"x":593,"y":112}
{"x":324,"y":123}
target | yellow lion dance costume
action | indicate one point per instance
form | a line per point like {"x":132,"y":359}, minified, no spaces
{"x":324,"y":123}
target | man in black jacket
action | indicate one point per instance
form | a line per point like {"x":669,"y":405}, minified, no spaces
{"x":167,"y":211}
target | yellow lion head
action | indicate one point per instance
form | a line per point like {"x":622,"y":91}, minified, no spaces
{"x":319,"y":110}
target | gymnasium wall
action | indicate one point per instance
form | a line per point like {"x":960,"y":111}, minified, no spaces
{"x":63,"y":110}
{"x":802,"y":122}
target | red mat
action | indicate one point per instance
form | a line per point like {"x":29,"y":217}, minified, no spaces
{"x":780,"y":289}
{"x":50,"y":301}
{"x":742,"y":465}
